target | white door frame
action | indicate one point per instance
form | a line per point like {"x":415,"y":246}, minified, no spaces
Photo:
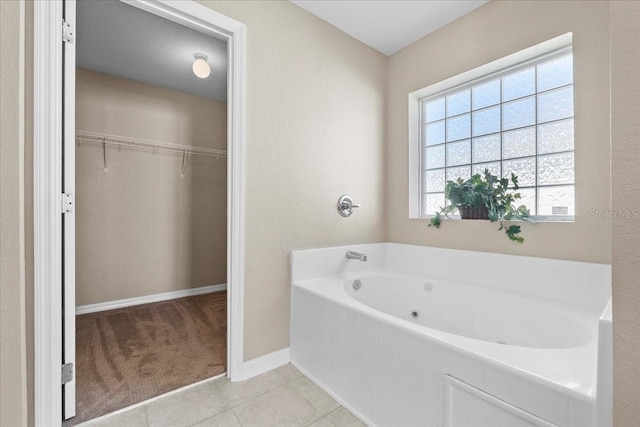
{"x":69,"y":218}
{"x":47,"y":158}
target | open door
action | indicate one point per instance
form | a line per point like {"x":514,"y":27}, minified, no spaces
{"x":69,"y":216}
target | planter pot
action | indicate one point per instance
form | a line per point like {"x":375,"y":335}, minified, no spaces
{"x":468,"y":212}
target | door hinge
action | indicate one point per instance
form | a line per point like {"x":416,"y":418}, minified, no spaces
{"x":67,"y":373}
{"x":67,"y":203}
{"x":67,"y":32}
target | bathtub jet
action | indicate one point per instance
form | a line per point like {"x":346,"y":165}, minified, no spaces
{"x":357,"y":255}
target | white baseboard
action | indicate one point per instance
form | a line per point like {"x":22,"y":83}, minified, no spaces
{"x":128,"y":302}
{"x":266,"y":363}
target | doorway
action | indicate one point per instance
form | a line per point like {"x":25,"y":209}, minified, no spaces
{"x":50,"y":281}
{"x":150,"y":206}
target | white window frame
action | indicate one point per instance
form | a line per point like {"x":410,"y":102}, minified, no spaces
{"x":522,"y":58}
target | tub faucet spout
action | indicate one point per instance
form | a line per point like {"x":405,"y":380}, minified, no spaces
{"x":357,"y":255}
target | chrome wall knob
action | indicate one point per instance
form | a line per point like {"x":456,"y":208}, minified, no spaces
{"x":346,"y":205}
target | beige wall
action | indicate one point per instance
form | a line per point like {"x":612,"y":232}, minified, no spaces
{"x":141,"y":228}
{"x":492,"y":31}
{"x":625,"y":157}
{"x":13,"y":359}
{"x":315,"y":130}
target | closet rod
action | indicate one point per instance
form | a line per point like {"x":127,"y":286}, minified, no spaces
{"x":144,"y":143}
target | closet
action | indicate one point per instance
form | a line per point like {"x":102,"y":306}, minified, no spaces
{"x":151,"y":206}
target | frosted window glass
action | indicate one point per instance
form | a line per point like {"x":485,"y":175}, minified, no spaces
{"x":556,"y":136}
{"x":486,"y":148}
{"x":519,"y":113}
{"x":519,"y":143}
{"x":556,"y":104}
{"x":527,"y":198}
{"x":486,"y":94}
{"x":486,"y":121}
{"x":459,"y":153}
{"x":434,"y":133}
{"x":555,"y":169}
{"x":493,"y":167}
{"x":433,"y":110}
{"x":459,"y":128}
{"x":433,"y":203}
{"x":463,"y":172}
{"x":519,"y":121}
{"x":519,"y":84}
{"x":555,"y":73}
{"x":435,"y":157}
{"x":561,"y":196}
{"x":434,"y":180}
{"x":459,"y":102}
{"x":524,"y":169}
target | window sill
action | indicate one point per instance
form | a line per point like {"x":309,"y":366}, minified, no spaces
{"x":534,"y":219}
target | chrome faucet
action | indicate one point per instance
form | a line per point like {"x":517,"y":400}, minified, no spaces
{"x":356,"y":255}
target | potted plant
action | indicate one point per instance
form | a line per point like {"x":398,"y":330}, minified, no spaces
{"x":484,"y":197}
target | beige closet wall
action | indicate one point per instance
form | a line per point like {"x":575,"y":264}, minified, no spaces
{"x":494,"y":30}
{"x":141,"y":228}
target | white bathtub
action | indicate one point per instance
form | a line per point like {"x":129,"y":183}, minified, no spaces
{"x":426,"y":342}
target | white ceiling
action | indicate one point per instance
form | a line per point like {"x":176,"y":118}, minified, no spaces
{"x":122,"y":40}
{"x":388,"y":25}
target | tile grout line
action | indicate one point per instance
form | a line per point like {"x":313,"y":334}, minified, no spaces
{"x":276,"y":388}
{"x":325,"y":416}
{"x":256,"y":396}
{"x":311,"y":404}
{"x":288,"y":383}
{"x":307,"y":400}
{"x":318,"y":419}
{"x":261,"y":393}
{"x":285,"y":383}
{"x":226,"y":409}
{"x":236,"y":417}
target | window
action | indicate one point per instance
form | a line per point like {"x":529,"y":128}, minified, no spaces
{"x":513,"y":119}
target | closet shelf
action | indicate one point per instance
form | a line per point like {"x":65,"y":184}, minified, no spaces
{"x":153,"y":145}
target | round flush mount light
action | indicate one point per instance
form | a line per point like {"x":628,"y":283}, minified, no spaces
{"x":200,"y":66}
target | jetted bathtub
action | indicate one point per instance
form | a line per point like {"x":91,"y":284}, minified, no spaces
{"x":420,"y":336}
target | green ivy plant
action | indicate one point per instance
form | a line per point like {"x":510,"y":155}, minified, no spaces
{"x":488,"y":191}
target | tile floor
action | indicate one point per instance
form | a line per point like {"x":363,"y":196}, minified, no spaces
{"x":282,"y":397}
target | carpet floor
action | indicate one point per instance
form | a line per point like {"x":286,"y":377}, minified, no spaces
{"x":128,"y":355}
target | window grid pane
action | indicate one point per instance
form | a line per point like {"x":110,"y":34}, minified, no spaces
{"x":532,"y":126}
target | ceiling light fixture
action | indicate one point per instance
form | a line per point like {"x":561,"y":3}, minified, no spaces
{"x":200,"y":66}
